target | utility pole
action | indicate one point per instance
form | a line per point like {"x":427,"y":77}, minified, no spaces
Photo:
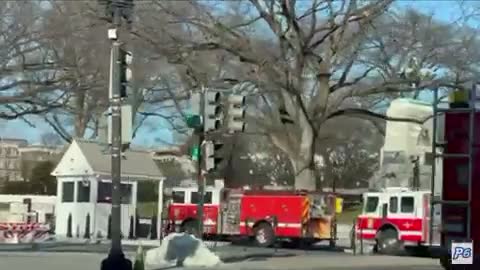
{"x":117,"y":8}
{"x":200,"y":175}
{"x":416,"y":173}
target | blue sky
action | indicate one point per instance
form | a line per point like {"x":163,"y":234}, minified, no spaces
{"x":147,"y":136}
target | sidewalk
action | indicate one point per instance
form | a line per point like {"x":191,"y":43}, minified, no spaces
{"x":88,"y":246}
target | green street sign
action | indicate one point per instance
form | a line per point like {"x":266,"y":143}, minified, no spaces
{"x":193,"y":120}
{"x":195,"y":153}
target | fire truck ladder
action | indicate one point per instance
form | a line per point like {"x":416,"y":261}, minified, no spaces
{"x":437,"y":200}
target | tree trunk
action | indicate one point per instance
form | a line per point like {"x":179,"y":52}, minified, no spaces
{"x":304,"y":169}
{"x":80,"y":114}
{"x":304,"y":165}
{"x":306,"y":180}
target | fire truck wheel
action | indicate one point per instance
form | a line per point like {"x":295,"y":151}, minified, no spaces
{"x":264,"y":235}
{"x":445,"y":262}
{"x":190,"y":227}
{"x":388,"y":243}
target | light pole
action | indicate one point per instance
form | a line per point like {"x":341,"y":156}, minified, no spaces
{"x":117,"y":9}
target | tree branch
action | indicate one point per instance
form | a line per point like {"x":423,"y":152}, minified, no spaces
{"x":361,"y":113}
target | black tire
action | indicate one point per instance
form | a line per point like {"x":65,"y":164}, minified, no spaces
{"x":388,"y":242}
{"x":190,"y":227}
{"x":445,"y":262}
{"x":264,"y":235}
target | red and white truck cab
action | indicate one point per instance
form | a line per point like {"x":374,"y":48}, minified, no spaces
{"x":394,"y":218}
{"x":182,"y":210}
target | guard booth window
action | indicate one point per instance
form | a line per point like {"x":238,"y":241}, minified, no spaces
{"x":206,"y":200}
{"x":126,"y":193}
{"x":83,"y":194}
{"x":104,"y":194}
{"x":393,"y":205}
{"x":407,"y":205}
{"x":67,"y":191}
{"x":178,"y":197}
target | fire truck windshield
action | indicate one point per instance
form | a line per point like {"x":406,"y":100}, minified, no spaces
{"x":371,"y":204}
{"x":178,"y":197}
{"x":207,"y":197}
{"x":407,"y":204}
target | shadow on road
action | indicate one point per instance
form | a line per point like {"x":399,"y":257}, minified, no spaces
{"x":284,"y":245}
{"x":240,"y":258}
{"x":257,"y":257}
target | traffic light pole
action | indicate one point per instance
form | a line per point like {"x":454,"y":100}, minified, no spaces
{"x":211,"y":109}
{"x":200,"y":175}
{"x":116,"y":259}
{"x":116,"y":151}
{"x":201,"y":188}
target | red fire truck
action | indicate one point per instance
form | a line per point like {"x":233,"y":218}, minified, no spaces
{"x":457,"y":145}
{"x":396,"y":218}
{"x":267,"y":215}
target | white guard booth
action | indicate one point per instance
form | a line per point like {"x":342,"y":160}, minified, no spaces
{"x":83,"y":207}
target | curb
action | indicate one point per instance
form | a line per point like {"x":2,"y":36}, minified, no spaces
{"x":64,"y":247}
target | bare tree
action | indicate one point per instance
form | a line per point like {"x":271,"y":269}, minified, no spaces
{"x":348,"y":160}
{"x":29,"y":79}
{"x":76,"y":38}
{"x":78,"y":45}
{"x":305,"y":59}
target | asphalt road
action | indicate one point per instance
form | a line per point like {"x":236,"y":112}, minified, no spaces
{"x":385,"y":268}
{"x":312,"y":260}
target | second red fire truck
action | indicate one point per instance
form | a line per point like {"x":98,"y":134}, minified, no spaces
{"x":401,"y":217}
{"x":265,"y":215}
{"x":397,"y":218}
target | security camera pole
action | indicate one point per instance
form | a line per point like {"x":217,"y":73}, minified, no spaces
{"x":116,"y":9}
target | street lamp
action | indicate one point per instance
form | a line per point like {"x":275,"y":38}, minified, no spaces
{"x":117,"y":9}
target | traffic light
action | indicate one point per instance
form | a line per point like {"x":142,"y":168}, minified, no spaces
{"x":195,"y":153}
{"x":107,"y":9}
{"x":125,"y":8}
{"x":213,"y":111}
{"x":125,"y":61}
{"x":208,"y":153}
{"x":194,"y":119}
{"x":236,"y":113}
{"x":213,"y":153}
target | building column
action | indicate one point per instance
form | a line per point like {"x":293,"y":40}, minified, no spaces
{"x":93,"y":200}
{"x":60,"y":216}
{"x":76,"y":225}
